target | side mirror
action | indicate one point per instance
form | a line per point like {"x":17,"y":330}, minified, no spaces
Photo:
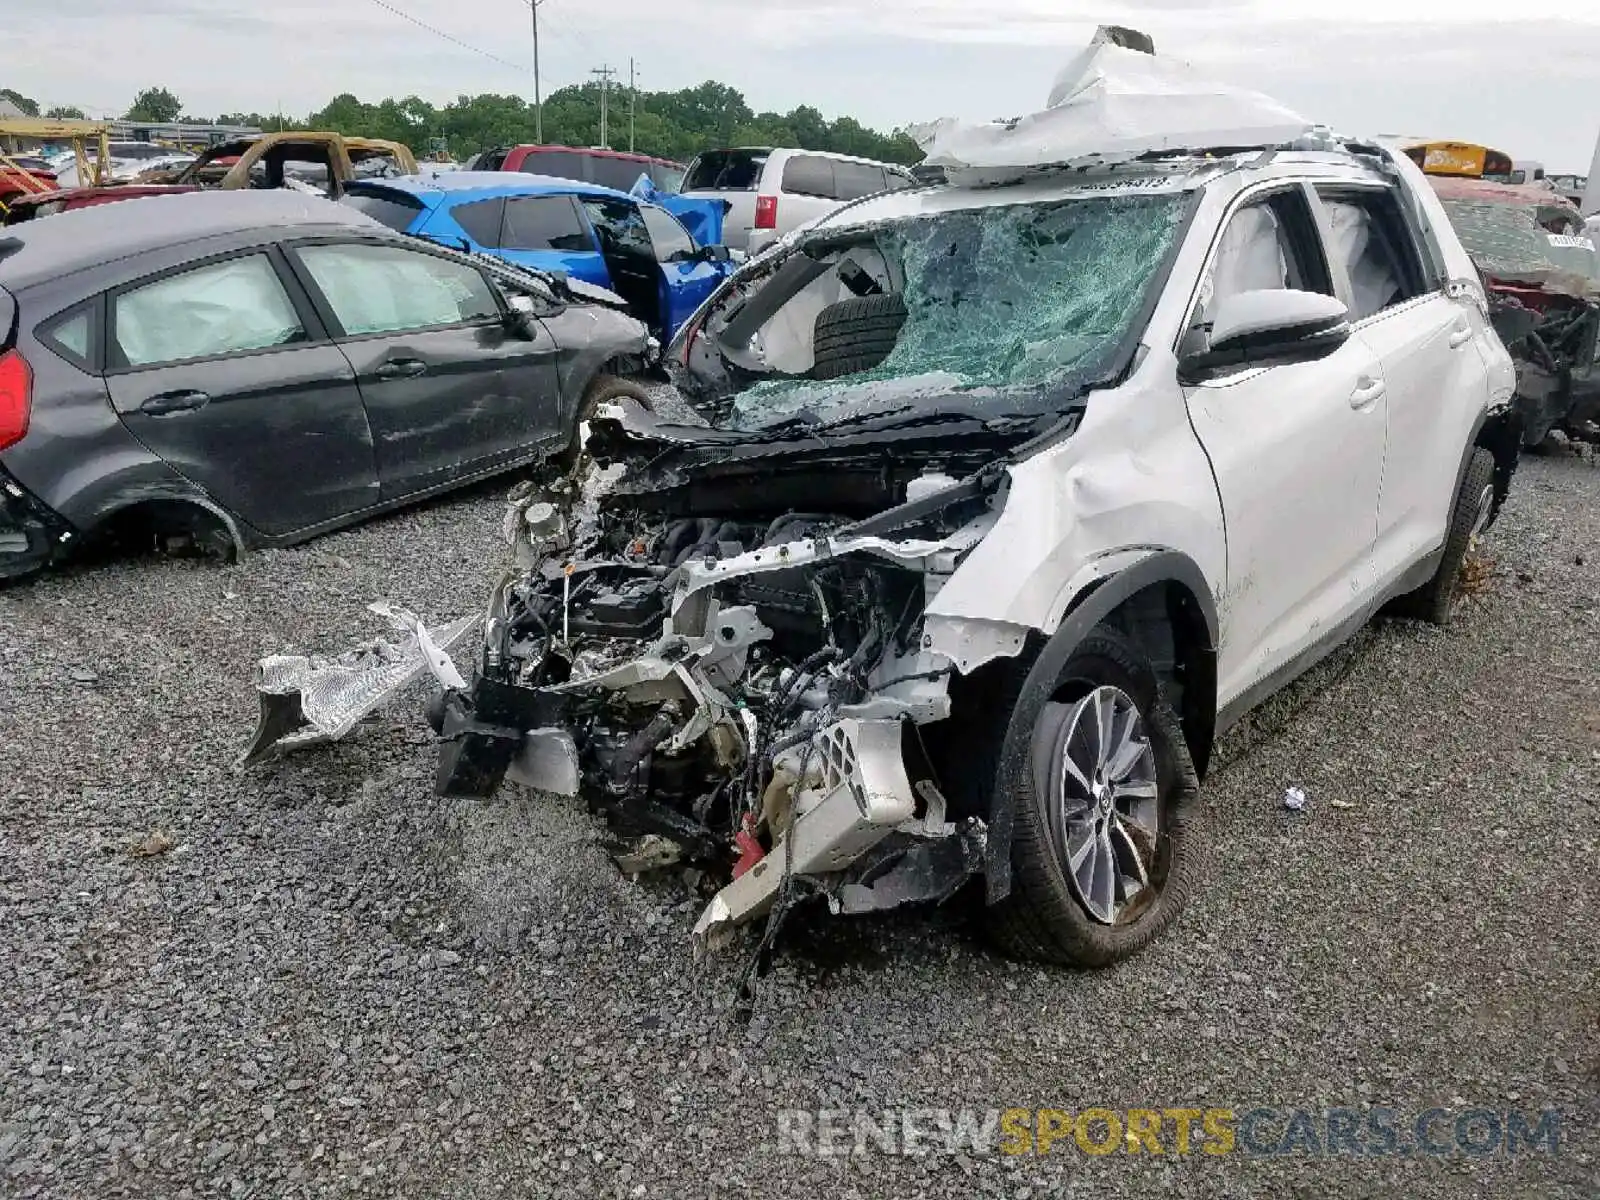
{"x":1267,"y":328}
{"x":518,"y":318}
{"x":715,"y":254}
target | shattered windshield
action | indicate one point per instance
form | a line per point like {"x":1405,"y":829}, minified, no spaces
{"x":1516,"y":243}
{"x":989,"y":303}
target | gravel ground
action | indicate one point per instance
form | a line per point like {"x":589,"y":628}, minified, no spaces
{"x":331,"y":983}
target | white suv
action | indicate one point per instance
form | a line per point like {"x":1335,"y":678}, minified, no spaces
{"x":773,"y":192}
{"x":1006,"y":501}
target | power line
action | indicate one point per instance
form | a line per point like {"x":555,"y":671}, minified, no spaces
{"x":604,"y":74}
{"x":517,"y":67}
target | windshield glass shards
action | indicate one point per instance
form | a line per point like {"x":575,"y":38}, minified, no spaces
{"x":1518,"y":243}
{"x":990,"y":301}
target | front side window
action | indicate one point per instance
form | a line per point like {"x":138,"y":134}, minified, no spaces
{"x":388,"y":289}
{"x":226,"y":308}
{"x":671,"y":240}
{"x":620,"y":227}
{"x":544,"y":223}
{"x":1268,"y":245}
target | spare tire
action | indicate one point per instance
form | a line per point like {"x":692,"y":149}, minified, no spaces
{"x":856,"y":335}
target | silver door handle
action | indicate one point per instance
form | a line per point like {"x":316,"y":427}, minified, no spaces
{"x":1460,"y":337}
{"x":1367,"y":392}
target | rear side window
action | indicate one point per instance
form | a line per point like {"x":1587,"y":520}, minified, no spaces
{"x":70,"y":335}
{"x":726,"y":171}
{"x":226,"y":308}
{"x":481,"y":221}
{"x":1368,"y":236}
{"x":394,"y":209}
{"x":543,"y":223}
{"x":808,"y":175}
{"x":854,"y":180}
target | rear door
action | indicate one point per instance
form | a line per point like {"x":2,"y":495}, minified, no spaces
{"x":449,"y":392}
{"x":687,"y":279}
{"x":1437,"y":381}
{"x":223,"y":369}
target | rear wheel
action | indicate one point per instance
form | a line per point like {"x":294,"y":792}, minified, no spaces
{"x":1474,"y":508}
{"x":1100,"y":852}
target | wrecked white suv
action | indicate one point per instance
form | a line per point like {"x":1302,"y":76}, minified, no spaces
{"x":1003,"y":499}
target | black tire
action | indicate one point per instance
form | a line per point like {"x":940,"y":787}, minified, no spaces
{"x":855,"y":335}
{"x":1044,"y":919}
{"x":602,"y":389}
{"x":1435,"y":600}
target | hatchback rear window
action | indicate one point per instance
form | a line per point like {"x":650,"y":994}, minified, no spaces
{"x":394,"y":209}
{"x":726,"y":171}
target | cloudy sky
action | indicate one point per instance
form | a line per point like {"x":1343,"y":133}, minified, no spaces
{"x":1445,"y":68}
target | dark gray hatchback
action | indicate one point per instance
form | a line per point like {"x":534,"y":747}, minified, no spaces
{"x":249,"y":369}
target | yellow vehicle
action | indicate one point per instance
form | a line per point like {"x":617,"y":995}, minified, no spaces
{"x":322,"y":160}
{"x":18,"y":178}
{"x":1461,"y":160}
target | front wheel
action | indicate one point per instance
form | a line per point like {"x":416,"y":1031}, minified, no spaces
{"x":1101,"y":862}
{"x":603,"y":389}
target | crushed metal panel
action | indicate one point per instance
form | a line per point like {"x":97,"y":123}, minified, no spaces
{"x":1112,"y":102}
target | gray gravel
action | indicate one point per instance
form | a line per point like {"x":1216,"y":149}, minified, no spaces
{"x":323,"y":981}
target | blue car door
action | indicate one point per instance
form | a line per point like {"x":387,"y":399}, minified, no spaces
{"x":688,"y":277}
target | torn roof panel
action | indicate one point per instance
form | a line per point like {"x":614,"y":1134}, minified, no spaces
{"x":1114,"y":102}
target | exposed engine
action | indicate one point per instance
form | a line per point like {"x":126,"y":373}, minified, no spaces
{"x":741,"y":694}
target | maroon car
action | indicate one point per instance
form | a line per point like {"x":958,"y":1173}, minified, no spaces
{"x":45,"y":204}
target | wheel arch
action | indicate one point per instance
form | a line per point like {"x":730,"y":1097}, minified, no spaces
{"x":1163,"y":604}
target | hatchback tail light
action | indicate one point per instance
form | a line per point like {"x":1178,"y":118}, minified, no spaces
{"x":16,"y":397}
{"x":766,"y":212}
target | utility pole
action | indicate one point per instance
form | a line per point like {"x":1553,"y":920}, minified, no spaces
{"x":633,"y":102}
{"x":605,"y":74}
{"x":538,"y":103}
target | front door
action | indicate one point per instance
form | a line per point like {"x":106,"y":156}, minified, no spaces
{"x":448,"y":391}
{"x":687,"y":278}
{"x":212,"y":368}
{"x":1297,"y":451}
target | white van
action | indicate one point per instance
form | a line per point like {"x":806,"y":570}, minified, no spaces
{"x":773,"y":191}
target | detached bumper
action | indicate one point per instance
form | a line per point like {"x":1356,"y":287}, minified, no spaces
{"x":31,"y":535}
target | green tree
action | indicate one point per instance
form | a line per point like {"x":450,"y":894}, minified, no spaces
{"x":30,"y":108}
{"x":154,"y":104}
{"x":66,"y":112}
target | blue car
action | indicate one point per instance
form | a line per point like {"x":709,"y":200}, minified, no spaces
{"x":659,"y":252}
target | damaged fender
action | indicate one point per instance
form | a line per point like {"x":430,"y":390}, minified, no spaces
{"x":1195,"y":611}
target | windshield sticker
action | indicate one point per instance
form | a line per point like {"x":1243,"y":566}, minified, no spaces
{"x":1571,"y":242}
